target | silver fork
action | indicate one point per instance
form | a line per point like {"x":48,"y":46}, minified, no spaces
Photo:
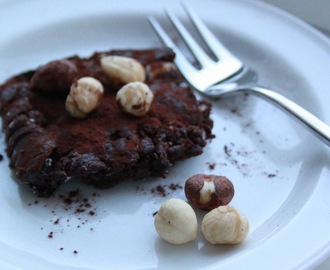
{"x":227,"y":75}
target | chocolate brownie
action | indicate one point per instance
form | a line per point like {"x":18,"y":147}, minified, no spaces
{"x":47,"y":147}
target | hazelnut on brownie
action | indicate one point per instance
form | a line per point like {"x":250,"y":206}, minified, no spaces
{"x":65,"y":121}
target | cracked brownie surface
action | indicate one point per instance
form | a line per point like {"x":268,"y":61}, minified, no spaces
{"x":47,"y":147}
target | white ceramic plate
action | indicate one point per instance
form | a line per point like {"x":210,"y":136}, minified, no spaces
{"x":280,"y":171}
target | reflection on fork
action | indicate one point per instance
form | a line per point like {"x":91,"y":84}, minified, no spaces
{"x":227,"y":74}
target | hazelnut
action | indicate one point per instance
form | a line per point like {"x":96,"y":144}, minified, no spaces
{"x":176,"y":222}
{"x":54,"y":77}
{"x":135,"y":98}
{"x":160,"y":69}
{"x":122,"y":68}
{"x":84,"y":97}
{"x":209,"y":191}
{"x":225,"y":225}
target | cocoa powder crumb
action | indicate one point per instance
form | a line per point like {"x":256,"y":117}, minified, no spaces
{"x":159,"y":190}
{"x":175,"y":186}
{"x":271,"y":175}
{"x":80,"y":210}
{"x":138,"y":188}
{"x":164,"y":190}
{"x":67,"y":201}
{"x":211,"y":165}
{"x":77,"y":205}
{"x":234,"y":155}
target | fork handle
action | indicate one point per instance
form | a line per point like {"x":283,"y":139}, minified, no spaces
{"x":318,"y":127}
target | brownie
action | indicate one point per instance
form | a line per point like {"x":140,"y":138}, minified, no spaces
{"x":47,"y":147}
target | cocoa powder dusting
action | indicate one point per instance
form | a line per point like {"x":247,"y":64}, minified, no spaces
{"x":78,"y":209}
{"x":240,"y":156}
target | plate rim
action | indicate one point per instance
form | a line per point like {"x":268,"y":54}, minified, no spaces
{"x":314,"y":32}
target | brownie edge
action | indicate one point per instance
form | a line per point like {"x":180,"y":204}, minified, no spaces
{"x":47,"y":147}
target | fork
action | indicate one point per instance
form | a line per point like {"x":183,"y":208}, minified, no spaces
{"x":228,"y":74}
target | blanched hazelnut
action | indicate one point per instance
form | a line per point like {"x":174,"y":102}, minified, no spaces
{"x":225,"y":225}
{"x":209,"y":191}
{"x":176,"y":222}
{"x":135,"y":98}
{"x":123,"y":68}
{"x":160,"y":69}
{"x":54,"y":77}
{"x":84,"y":97}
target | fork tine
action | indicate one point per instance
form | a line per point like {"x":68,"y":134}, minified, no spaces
{"x":209,"y":74}
{"x":197,"y":51}
{"x":212,"y":42}
{"x":180,"y":60}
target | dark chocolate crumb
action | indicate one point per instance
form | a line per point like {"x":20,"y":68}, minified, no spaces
{"x":227,"y":150}
{"x":67,"y":201}
{"x":163,"y":190}
{"x":74,"y":193}
{"x":175,"y":186}
{"x":80,"y":210}
{"x":211,"y":165}
{"x":159,"y":190}
{"x":75,"y":252}
{"x":1,"y":157}
{"x":155,"y":213}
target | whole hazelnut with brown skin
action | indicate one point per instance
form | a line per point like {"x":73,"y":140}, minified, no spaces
{"x":54,"y":77}
{"x":209,"y":191}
